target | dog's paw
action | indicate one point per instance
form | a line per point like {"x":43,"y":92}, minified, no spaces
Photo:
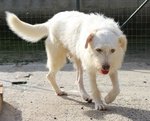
{"x":87,"y":98}
{"x":100,"y":106}
{"x":108,"y":99}
{"x":62,"y":93}
{"x":111,"y":96}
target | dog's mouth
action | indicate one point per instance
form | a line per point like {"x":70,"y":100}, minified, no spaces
{"x":104,"y":71}
{"x":105,"y":68}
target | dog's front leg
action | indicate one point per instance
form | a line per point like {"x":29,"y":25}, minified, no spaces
{"x":96,"y":95}
{"x":115,"y":90}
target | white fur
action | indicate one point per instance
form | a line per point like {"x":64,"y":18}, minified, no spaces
{"x":31,"y":33}
{"x":67,"y":34}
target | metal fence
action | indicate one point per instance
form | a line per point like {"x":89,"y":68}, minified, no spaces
{"x":13,"y":49}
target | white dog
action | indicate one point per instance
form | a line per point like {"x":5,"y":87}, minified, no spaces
{"x":93,"y":41}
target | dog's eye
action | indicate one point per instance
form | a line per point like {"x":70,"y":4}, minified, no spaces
{"x":112,"y":50}
{"x":99,"y":50}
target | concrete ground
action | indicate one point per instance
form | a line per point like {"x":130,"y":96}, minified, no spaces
{"x":36,"y":101}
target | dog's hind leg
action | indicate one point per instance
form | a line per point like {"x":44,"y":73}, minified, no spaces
{"x":51,"y":76}
{"x":82,"y":90}
{"x":115,"y":90}
{"x":56,"y":58}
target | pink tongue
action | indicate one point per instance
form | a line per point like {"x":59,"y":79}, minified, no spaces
{"x":104,"y":71}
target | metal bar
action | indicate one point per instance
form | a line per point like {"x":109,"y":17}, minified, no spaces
{"x":78,"y":5}
{"x":1,"y":96}
{"x":137,"y":10}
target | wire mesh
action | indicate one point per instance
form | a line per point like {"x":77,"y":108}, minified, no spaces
{"x":13,"y":49}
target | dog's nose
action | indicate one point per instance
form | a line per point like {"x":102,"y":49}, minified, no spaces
{"x":106,"y":66}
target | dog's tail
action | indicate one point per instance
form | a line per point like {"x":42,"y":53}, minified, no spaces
{"x":28,"y":32}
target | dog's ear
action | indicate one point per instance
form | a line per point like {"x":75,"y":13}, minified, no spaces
{"x":123,"y":42}
{"x":89,"y":39}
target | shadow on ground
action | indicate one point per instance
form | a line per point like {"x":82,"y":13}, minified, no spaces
{"x":127,"y":112}
{"x":130,"y":113}
{"x":10,"y":113}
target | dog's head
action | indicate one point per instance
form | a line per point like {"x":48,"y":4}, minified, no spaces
{"x":107,"y":50}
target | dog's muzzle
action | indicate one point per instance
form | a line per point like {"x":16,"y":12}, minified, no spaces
{"x":105,"y":69}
